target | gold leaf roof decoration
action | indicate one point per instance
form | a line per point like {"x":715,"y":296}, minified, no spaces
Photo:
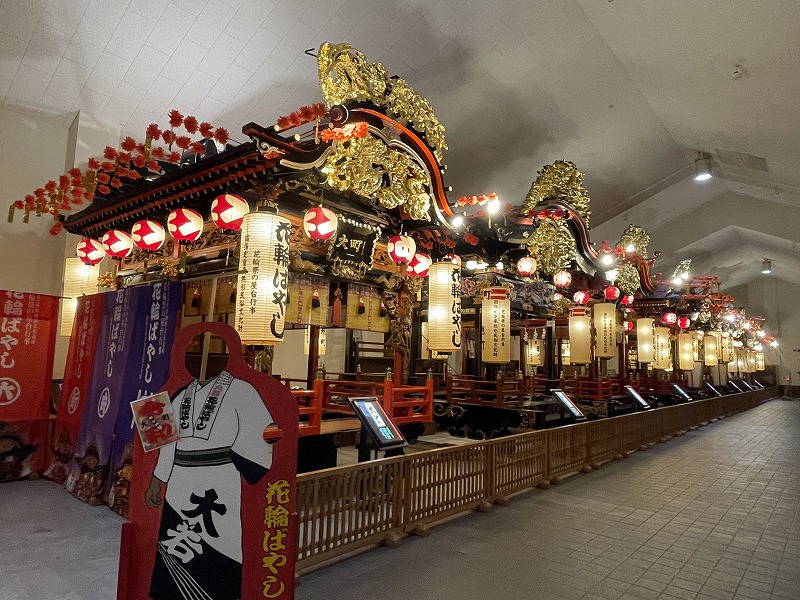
{"x":346,"y":74}
{"x":553,"y":247}
{"x":634,"y":239}
{"x":560,"y":180}
{"x":628,"y":280}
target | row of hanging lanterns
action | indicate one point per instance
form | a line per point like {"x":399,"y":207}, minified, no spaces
{"x":184,"y":225}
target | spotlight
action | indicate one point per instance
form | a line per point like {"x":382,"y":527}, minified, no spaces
{"x":766,"y":266}
{"x":493,"y":206}
{"x":702,"y":167}
{"x":458,"y":221}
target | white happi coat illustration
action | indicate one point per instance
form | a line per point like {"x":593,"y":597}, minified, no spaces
{"x":222,"y":424}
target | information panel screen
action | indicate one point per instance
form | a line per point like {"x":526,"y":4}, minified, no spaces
{"x":383,"y":432}
{"x":636,"y":396}
{"x":712,"y":389}
{"x":735,"y":387}
{"x":758,"y":384}
{"x":680,"y":391}
{"x":744,"y":385}
{"x":567,"y":401}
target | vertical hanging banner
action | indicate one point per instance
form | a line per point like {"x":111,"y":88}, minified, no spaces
{"x":662,"y":353}
{"x":146,"y":371}
{"x":605,"y":329}
{"x":88,"y":470}
{"x":27,"y":343}
{"x":77,"y":377}
{"x":212,"y":516}
{"x":495,"y":326}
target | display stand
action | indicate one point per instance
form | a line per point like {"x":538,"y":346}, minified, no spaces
{"x":565,"y":400}
{"x":714,"y":391}
{"x":644,"y":404}
{"x":377,"y":428}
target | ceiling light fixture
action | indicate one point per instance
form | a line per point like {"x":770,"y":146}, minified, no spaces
{"x":766,"y":266}
{"x":702,"y":167}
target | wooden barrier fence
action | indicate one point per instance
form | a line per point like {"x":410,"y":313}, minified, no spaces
{"x":346,"y":509}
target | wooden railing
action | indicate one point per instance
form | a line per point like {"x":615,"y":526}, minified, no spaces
{"x":478,"y":391}
{"x":346,"y":509}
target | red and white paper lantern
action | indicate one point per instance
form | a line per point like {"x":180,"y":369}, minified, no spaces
{"x":684,"y":322}
{"x":580,"y":298}
{"x":228,"y":210}
{"x":185,"y":225}
{"x":320,"y":223}
{"x":420,"y":265}
{"x":562,"y":279}
{"x":611,"y":292}
{"x":148,"y":235}
{"x":669,"y":318}
{"x":117,"y":244}
{"x":526,"y":266}
{"x":401,"y":249}
{"x":90,"y":251}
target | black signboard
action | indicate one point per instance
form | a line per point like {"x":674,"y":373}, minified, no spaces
{"x":351,"y":250}
{"x":636,"y":396}
{"x":568,"y":403}
{"x":714,"y":391}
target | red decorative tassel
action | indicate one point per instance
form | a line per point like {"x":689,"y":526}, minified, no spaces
{"x":361,"y":307}
{"x":382,"y":312}
{"x":336,"y":319}
{"x":315,"y":303}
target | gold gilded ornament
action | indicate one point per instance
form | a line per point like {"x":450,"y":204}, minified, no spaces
{"x":552,"y":246}
{"x":560,"y":180}
{"x":634,"y":239}
{"x":167,"y":268}
{"x":560,"y":305}
{"x":346,"y":74}
{"x":628,"y":280}
{"x":106,"y":280}
{"x":368,"y":167}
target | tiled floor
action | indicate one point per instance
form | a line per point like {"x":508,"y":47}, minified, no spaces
{"x":713,"y":514}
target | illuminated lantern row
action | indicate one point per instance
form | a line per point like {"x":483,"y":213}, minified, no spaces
{"x":495,"y":326}
{"x":419,"y":265}
{"x":320,"y":223}
{"x":185,"y":225}
{"x":444,"y":307}
{"x":526,"y":266}
{"x":401,"y":249}
{"x":263,"y":286}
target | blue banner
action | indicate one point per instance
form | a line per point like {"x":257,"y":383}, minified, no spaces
{"x":147,"y":369}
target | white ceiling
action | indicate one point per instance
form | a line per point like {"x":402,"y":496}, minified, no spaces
{"x":629,"y":90}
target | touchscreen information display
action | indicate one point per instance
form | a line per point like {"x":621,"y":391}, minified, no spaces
{"x":636,"y":396}
{"x":681,"y":392}
{"x":567,"y":401}
{"x":712,"y":389}
{"x":383,"y":432}
{"x":734,"y":386}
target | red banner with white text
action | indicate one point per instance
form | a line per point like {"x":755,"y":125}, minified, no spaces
{"x":28,"y":325}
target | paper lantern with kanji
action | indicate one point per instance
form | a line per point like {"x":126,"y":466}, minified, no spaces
{"x":627,"y":300}
{"x":419,"y":265}
{"x":79,"y":279}
{"x":605,"y":329}
{"x":264,"y":281}
{"x":526,"y":266}
{"x":580,"y":339}
{"x":444,"y":307}
{"x":90,"y":251}
{"x":185,"y":225}
{"x":645,"y":340}
{"x":686,"y":351}
{"x":580,"y":298}
{"x":684,"y":322}
{"x":228,"y":210}
{"x":669,"y":318}
{"x":562,"y":278}
{"x":611,"y":292}
{"x":401,"y":249}
{"x":662,"y":353}
{"x":117,"y":244}
{"x":495,"y":326}
{"x":320,"y":223}
{"x":628,"y":326}
{"x":711,"y":348}
{"x":148,"y":235}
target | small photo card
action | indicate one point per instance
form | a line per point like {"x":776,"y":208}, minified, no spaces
{"x":155,"y":421}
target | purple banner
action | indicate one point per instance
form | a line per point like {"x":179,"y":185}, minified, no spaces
{"x":88,"y":470}
{"x":147,"y":368}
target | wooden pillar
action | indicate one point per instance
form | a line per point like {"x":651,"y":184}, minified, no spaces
{"x":550,"y":354}
{"x":313,"y":355}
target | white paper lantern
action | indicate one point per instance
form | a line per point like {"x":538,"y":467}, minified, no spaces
{"x":686,"y":351}
{"x":711,"y":348}
{"x":726,"y":348}
{"x":117,"y":244}
{"x":662,"y":353}
{"x":185,"y":225}
{"x":605,"y":330}
{"x":533,"y":353}
{"x":263,"y":288}
{"x":580,"y":340}
{"x":228,"y":210}
{"x":444,"y":306}
{"x":645,"y":340}
{"x":79,"y":279}
{"x":495,"y":326}
{"x":526,"y":266}
{"x":760,"y":362}
{"x":90,"y":251}
{"x":562,"y":279}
